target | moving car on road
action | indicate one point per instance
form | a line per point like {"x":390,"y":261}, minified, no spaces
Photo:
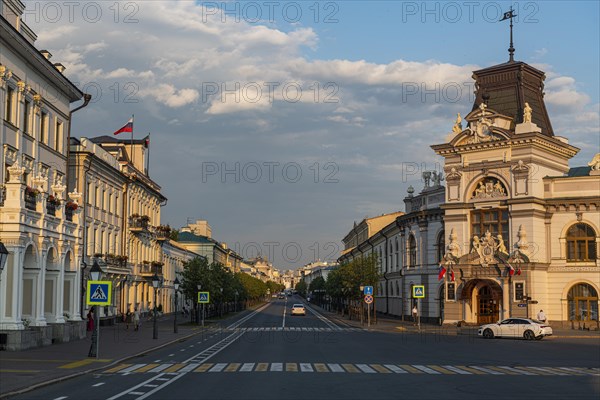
{"x":525,"y":328}
{"x":281,"y":296}
{"x":298,"y":309}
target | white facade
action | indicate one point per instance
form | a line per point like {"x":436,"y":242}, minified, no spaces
{"x":40,"y":284}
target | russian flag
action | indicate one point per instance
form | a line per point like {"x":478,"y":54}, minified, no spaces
{"x":452,"y":275}
{"x":128,"y":127}
{"x":511,"y":270}
{"x":442,"y":273}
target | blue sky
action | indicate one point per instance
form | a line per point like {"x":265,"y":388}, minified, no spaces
{"x":360,"y":134}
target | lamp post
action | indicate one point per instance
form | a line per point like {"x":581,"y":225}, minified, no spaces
{"x":198,"y":307}
{"x":95,"y":274}
{"x":236,"y":297}
{"x":176,"y":286}
{"x":221,"y":302}
{"x":155,"y":282}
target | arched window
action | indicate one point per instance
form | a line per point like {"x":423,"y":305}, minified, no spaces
{"x":397,"y":255}
{"x":412,"y":251}
{"x":583,"y":303}
{"x":441,"y":246}
{"x":581,"y":243}
{"x":397,"y":289}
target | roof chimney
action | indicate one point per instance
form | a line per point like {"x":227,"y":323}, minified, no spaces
{"x":61,"y":68}
{"x":46,"y":54}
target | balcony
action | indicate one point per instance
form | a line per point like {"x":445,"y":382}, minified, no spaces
{"x":148,"y":269}
{"x":31,"y":198}
{"x":162,"y":232}
{"x":138,"y":223}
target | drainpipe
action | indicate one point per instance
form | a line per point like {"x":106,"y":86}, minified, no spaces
{"x":387,"y":299}
{"x":86,"y":100}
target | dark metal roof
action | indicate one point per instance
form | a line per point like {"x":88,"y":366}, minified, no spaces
{"x":184,"y":237}
{"x":506,"y":88}
{"x":106,"y":139}
{"x":579,"y":171}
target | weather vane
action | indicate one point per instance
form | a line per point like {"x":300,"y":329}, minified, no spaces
{"x":509,"y":15}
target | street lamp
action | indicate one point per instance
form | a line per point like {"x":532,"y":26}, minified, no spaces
{"x":155,"y":282}
{"x":236,"y":297}
{"x":198,"y":308}
{"x":176,"y":286}
{"x":95,"y":274}
{"x":3,"y":256}
{"x":221,"y":302}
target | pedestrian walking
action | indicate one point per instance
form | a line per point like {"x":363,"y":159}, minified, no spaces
{"x":541,"y":316}
{"x":90,"y":320}
{"x":127,"y":319}
{"x":136,"y":320}
{"x":415,"y":314}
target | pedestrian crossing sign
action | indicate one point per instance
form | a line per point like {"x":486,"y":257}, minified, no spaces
{"x":99,"y":293}
{"x":419,"y":291}
{"x":203,"y":297}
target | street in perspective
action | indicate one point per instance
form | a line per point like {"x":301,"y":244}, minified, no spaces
{"x":345,"y":200}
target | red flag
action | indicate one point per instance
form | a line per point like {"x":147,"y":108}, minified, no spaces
{"x":452,"y":275}
{"x":519,"y":271}
{"x":442,"y":273}
{"x":128,"y":127}
{"x":147,"y":141}
{"x":511,"y":270}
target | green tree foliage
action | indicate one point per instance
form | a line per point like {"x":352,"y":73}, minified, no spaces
{"x":346,"y":280}
{"x":317,"y":284}
{"x":274,"y":287}
{"x":301,"y":287}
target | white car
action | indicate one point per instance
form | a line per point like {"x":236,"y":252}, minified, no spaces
{"x":525,"y":328}
{"x":298,"y":309}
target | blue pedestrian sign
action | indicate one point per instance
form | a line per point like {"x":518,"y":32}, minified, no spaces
{"x":368,"y":291}
{"x":203,"y":297}
{"x":99,"y":293}
{"x":419,"y":291}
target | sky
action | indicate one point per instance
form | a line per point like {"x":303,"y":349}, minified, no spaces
{"x":282,"y":123}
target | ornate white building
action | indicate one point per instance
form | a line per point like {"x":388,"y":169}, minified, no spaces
{"x":40,"y":286}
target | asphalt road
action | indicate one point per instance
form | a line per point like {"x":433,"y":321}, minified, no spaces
{"x":271,"y":355}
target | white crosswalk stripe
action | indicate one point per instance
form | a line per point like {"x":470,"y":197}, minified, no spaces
{"x":366,"y":369}
{"x":457,"y":370}
{"x":277,"y":367}
{"x":306,"y":367}
{"x":427,"y":370}
{"x":487,"y":371}
{"x":247,"y":367}
{"x":395,"y":369}
{"x":218,"y":367}
{"x":335,"y":368}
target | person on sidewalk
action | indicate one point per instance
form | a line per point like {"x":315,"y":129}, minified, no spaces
{"x":127,"y":319}
{"x":541,"y":316}
{"x":136,"y":320}
{"x":415,"y":313}
{"x":90,"y":320}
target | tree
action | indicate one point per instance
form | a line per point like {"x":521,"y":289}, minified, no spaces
{"x":301,"y":287}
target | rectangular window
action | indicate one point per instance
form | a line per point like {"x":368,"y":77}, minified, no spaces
{"x":10,"y":93}
{"x":43,"y":128}
{"x":89,"y":193}
{"x":495,"y":221}
{"x":519,"y":291}
{"x":58,"y":136}
{"x":26,"y":117}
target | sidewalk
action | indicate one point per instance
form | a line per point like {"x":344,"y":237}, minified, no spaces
{"x":395,"y":325}
{"x":23,"y":370}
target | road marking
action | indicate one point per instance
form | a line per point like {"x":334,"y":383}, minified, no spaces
{"x":132,"y":368}
{"x":320,"y":367}
{"x":117,"y":368}
{"x":397,"y":370}
{"x":98,"y":384}
{"x":160,"y":368}
{"x":485,"y":370}
{"x":24,"y":371}
{"x":291,"y":367}
{"x":366,"y":369}
{"x":137,"y":393}
{"x":335,"y":368}
{"x":411,"y":369}
{"x":175,"y":367}
{"x":147,"y":367}
{"x":442,"y":370}
{"x":426,"y":369}
{"x":471,"y":370}
{"x":276,"y":367}
{"x":247,"y":367}
{"x":262,"y":367}
{"x":513,"y":370}
{"x":218,"y":367}
{"x":149,"y":385}
{"x":457,"y":370}
{"x":77,"y":364}
{"x":203,"y":367}
{"x":61,"y":398}
{"x":233,"y":367}
{"x":350,"y":368}
{"x":188,"y":368}
{"x":380,"y":368}
{"x":284,"y":312}
{"x":306,"y":367}
{"x":570,"y":370}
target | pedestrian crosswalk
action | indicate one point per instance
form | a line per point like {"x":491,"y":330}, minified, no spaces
{"x":353,"y":368}
{"x":297,"y":329}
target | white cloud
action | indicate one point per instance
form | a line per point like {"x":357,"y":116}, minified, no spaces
{"x":170,"y":96}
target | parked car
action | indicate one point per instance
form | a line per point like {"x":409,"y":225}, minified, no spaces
{"x":525,"y":328}
{"x":281,"y":296}
{"x":298,"y":309}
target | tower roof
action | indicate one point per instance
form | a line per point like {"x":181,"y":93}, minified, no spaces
{"x":507,"y":87}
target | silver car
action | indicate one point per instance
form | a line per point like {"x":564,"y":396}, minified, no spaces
{"x":525,"y":328}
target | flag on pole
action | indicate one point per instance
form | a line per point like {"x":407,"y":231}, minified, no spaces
{"x":508,"y":15}
{"x":451,"y":274}
{"x":147,"y":141}
{"x":442,"y":272}
{"x":511,"y":269}
{"x":128,"y":127}
{"x":519,"y":271}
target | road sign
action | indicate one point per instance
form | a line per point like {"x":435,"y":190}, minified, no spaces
{"x":419,"y":291}
{"x":368,"y":290}
{"x":203,"y":297}
{"x":99,"y":293}
{"x":368,"y":299}
{"x":521,"y":305}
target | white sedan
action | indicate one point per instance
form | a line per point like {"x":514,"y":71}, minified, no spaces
{"x":298,"y":309}
{"x":525,"y":328}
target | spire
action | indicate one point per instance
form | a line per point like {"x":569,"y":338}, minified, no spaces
{"x":511,"y":50}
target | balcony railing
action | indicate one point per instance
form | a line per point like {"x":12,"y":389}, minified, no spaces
{"x":30,"y":202}
{"x":150,"y":269}
{"x":138,"y":223}
{"x":51,"y":209}
{"x":69,"y":214}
